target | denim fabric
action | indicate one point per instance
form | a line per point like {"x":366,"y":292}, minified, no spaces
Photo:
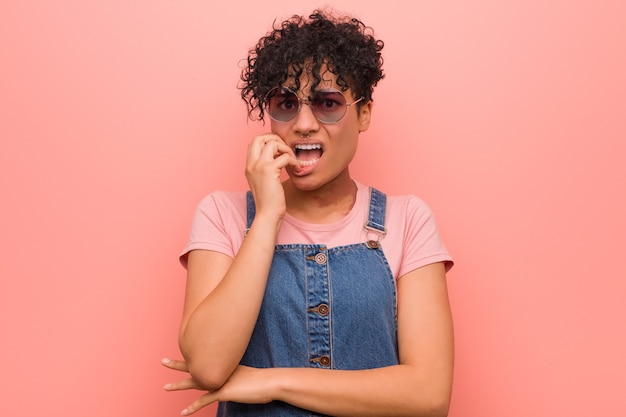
{"x":325,"y":308}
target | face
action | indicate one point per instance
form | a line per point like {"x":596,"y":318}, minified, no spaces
{"x":324,"y":150}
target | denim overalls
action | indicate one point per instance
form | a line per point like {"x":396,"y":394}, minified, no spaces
{"x":324,"y":308}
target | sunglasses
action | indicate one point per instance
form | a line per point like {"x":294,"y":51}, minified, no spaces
{"x":327,"y":105}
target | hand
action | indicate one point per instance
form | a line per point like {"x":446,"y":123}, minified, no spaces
{"x":245,"y":385}
{"x":267,"y":156}
{"x":184,"y":384}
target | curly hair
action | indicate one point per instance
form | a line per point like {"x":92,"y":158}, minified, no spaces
{"x":343,"y":44}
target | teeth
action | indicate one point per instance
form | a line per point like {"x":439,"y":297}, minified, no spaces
{"x":308,"y":163}
{"x":308,"y":147}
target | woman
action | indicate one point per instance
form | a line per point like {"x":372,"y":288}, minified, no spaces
{"x":317,"y":295}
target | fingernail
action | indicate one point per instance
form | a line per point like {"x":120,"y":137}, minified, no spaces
{"x":167,"y":386}
{"x":185,"y":412}
{"x":165,"y":360}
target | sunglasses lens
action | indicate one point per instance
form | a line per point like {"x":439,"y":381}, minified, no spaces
{"x":282,"y":105}
{"x":328,"y":106}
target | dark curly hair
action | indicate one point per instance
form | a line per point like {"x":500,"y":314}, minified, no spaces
{"x":344,"y":44}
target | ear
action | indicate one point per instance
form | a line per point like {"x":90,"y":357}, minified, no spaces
{"x":365,"y":115}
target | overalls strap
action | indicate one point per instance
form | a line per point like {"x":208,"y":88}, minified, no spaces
{"x":376,"y":215}
{"x":250,"y":211}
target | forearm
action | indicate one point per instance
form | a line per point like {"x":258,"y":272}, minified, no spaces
{"x":399,"y":390}
{"x":215,"y":335}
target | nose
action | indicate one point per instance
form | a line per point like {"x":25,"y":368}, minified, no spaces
{"x":305,"y":121}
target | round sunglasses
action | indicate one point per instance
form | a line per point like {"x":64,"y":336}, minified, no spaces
{"x":327,"y":105}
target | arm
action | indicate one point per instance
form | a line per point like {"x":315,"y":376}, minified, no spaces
{"x":222,"y":301}
{"x":224,"y":295}
{"x":419,"y":386}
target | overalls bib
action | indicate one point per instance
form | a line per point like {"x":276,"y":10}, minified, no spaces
{"x":324,"y":308}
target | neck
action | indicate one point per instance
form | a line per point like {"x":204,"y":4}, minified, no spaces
{"x":327,"y":204}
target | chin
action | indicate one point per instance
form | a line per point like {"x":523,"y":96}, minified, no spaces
{"x":305,"y":183}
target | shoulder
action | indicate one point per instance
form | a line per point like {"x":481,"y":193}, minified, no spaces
{"x":408,"y":206}
{"x":218,"y":224}
{"x":421,"y":240}
{"x":224,"y":197}
{"x":223,"y":210}
{"x":223,"y":201}
{"x":398,"y":207}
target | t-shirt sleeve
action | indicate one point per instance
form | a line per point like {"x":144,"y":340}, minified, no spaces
{"x":214,"y":222}
{"x":422,"y":242}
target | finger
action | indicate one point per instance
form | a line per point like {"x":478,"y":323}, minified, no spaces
{"x":283,"y":148}
{"x":188,"y":383}
{"x":174,"y":364}
{"x":204,"y":400}
{"x":270,"y":150}
{"x":285,"y":160}
{"x":258,"y":144}
{"x":276,"y":149}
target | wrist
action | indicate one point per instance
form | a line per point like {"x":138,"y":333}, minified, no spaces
{"x":267,"y":223}
{"x":277,"y":383}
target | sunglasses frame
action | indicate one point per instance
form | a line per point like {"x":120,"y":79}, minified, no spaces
{"x":307,"y":100}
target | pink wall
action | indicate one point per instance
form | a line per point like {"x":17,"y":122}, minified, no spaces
{"x":509,"y":118}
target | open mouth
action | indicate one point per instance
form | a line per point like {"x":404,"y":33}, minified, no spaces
{"x":308,"y":154}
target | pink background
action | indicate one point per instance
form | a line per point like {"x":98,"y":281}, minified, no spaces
{"x":507,"y":117}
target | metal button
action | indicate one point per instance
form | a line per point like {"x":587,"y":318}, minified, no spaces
{"x":323,"y":310}
{"x":372,"y":244}
{"x":322,"y":360}
{"x":321,"y":258}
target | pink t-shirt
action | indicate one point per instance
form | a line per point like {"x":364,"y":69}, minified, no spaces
{"x":411,"y":241}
